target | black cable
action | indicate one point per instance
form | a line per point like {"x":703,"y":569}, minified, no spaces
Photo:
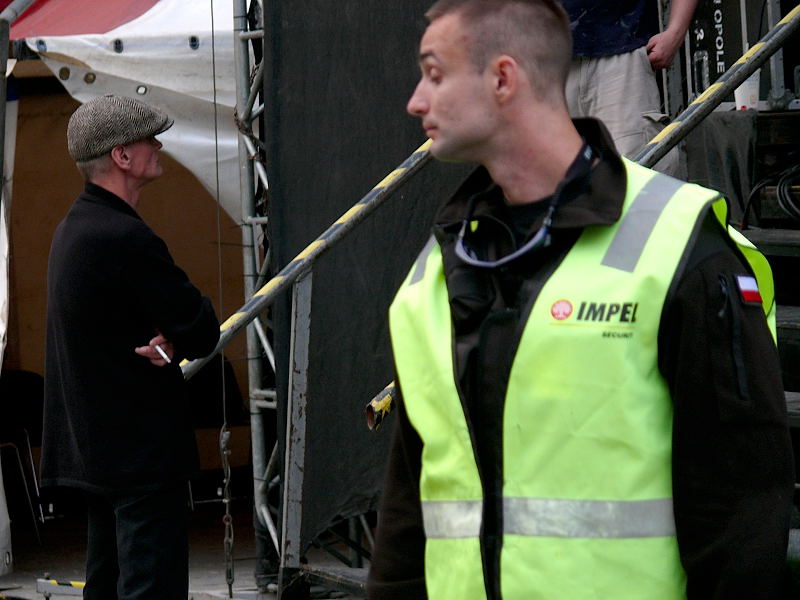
{"x":784,"y":191}
{"x":783,"y":182}
{"x":753,"y":193}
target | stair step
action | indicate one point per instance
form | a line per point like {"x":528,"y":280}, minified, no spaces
{"x":787,"y":317}
{"x":352,"y":580}
{"x":775,"y":242}
{"x":793,"y":407}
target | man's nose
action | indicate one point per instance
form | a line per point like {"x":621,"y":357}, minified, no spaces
{"x":417,"y":105}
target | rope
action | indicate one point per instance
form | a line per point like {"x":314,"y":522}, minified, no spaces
{"x":224,"y":434}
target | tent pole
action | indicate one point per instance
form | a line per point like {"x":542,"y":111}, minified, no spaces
{"x":8,"y":16}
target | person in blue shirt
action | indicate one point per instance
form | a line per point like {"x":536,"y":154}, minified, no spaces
{"x":616,"y":50}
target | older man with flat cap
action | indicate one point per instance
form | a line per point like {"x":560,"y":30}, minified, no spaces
{"x":121,"y":314}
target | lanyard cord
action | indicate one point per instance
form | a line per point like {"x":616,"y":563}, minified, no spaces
{"x":579,"y":169}
{"x":224,"y":434}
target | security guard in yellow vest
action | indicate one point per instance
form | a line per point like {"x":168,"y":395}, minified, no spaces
{"x":592,"y":402}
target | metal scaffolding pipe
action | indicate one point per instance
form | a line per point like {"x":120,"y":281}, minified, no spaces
{"x":260,"y":170}
{"x":247,"y":190}
{"x":251,"y":35}
{"x":10,"y":14}
{"x":255,"y":88}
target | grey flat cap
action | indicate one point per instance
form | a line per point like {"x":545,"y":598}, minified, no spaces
{"x":108,"y":121}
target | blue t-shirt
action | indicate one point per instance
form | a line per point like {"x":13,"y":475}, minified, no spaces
{"x":605,"y":28}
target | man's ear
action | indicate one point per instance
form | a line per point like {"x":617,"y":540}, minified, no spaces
{"x":119,"y":154}
{"x":506,"y":75}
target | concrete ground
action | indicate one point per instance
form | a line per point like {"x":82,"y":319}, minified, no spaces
{"x":61,"y":554}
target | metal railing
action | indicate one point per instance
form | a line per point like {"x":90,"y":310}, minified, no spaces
{"x":702,"y":106}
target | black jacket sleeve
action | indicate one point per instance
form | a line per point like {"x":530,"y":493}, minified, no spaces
{"x":397,"y":570}
{"x":733,"y":473}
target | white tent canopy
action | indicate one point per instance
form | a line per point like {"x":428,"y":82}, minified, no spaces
{"x":167,"y":57}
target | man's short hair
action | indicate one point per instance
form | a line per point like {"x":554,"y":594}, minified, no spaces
{"x":91,"y":169}
{"x":109,"y":121}
{"x":536,"y":33}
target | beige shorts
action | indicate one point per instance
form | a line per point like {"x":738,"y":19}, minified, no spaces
{"x":621,"y":91}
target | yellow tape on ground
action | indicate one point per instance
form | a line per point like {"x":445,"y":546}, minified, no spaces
{"x":76,"y":584}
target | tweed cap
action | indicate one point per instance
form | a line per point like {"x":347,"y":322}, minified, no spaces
{"x":108,"y":121}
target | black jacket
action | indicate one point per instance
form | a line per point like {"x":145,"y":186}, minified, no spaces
{"x":112,"y":420}
{"x":732,"y":462}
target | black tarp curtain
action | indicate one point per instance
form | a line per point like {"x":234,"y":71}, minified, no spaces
{"x":338,"y":78}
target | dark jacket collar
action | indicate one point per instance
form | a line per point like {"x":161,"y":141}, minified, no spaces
{"x":598,"y":203}
{"x":100,"y":195}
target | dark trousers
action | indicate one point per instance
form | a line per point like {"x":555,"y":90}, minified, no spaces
{"x":138,"y":546}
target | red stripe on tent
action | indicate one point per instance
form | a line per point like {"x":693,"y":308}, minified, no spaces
{"x":69,"y":17}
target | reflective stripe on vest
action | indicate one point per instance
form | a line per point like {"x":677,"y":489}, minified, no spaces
{"x":549,"y":517}
{"x":639,"y":221}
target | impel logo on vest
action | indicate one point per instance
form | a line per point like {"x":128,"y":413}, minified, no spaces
{"x":596,"y":312}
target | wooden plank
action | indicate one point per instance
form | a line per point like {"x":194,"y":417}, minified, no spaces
{"x":793,"y":406}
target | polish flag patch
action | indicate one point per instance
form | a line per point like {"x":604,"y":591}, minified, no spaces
{"x":748,"y":289}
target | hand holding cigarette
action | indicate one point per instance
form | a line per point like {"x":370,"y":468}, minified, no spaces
{"x":159,"y":350}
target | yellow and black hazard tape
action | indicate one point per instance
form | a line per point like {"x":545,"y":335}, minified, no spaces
{"x":69,"y":584}
{"x":59,"y":588}
{"x":721,"y":88}
{"x":303,"y":261}
{"x":380,"y":406}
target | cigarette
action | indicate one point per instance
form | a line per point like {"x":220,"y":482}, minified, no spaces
{"x":163,"y":354}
